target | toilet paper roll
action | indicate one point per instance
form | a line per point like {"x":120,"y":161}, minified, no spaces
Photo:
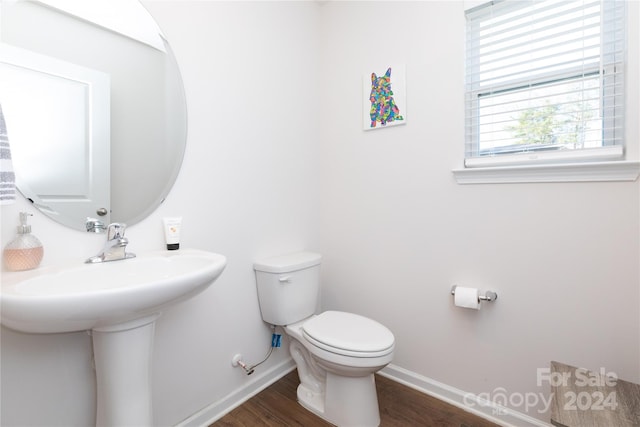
{"x":467,"y":298}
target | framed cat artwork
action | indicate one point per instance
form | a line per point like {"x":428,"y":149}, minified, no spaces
{"x":384,"y":97}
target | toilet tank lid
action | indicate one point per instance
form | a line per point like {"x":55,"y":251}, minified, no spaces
{"x":288,"y":263}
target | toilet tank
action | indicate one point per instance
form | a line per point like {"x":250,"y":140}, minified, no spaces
{"x":288,"y":287}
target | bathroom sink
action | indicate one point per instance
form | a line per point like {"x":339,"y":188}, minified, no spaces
{"x":119,"y":302}
{"x":89,"y":296}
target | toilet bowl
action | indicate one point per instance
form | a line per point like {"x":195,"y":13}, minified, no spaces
{"x":336,"y":353}
{"x":337,"y":373}
{"x":346,"y":339}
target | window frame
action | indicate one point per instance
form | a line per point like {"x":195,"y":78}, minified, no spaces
{"x":606,"y":163}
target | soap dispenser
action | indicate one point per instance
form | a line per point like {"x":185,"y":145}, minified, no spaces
{"x":25,"y":251}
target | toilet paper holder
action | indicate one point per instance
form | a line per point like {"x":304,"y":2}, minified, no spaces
{"x":488,"y":296}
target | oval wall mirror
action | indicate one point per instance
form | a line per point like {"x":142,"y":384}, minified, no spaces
{"x":94,"y":107}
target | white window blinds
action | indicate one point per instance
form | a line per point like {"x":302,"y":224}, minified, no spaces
{"x":544,"y":81}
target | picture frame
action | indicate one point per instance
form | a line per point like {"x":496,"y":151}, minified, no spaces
{"x":384,"y":97}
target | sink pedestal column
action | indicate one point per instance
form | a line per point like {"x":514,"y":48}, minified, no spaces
{"x":122,"y":356}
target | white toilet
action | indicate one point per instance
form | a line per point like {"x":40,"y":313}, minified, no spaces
{"x":336,"y":353}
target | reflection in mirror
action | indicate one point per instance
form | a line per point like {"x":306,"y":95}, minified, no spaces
{"x":95,"y":112}
{"x":59,"y":115}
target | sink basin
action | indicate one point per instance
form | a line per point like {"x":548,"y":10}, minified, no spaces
{"x":89,"y":296}
{"x":119,"y":302}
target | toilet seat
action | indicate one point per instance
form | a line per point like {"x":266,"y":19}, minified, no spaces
{"x":348,"y":334}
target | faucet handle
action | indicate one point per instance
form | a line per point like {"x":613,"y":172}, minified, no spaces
{"x":94,"y":225}
{"x":116,"y":230}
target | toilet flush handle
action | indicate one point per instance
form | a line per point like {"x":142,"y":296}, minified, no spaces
{"x":285,"y":279}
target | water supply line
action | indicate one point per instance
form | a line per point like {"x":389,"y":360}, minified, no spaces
{"x":249,"y":369}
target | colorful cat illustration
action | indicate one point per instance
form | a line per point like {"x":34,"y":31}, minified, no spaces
{"x":383,"y":107}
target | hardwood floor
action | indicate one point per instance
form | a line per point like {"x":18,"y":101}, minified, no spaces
{"x":400,"y":406}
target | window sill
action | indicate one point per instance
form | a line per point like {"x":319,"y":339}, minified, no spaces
{"x":562,"y":172}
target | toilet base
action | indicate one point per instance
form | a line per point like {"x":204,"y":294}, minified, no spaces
{"x":346,"y":402}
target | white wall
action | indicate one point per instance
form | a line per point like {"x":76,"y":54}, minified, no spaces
{"x":398,"y":231}
{"x":248,"y":189}
{"x":276,"y":161}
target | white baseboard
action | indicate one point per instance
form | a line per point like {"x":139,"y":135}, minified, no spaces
{"x":217,"y":410}
{"x":488,"y":410}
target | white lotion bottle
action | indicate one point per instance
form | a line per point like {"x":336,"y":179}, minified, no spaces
{"x":172,"y":232}
{"x":25,"y":251}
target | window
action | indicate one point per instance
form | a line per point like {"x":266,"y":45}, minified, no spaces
{"x":544,"y":82}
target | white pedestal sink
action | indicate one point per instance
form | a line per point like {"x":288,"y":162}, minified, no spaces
{"x":118,"y":302}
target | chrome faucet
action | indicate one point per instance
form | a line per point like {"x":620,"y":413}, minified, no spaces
{"x":115,"y":248}
{"x":94,"y":225}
